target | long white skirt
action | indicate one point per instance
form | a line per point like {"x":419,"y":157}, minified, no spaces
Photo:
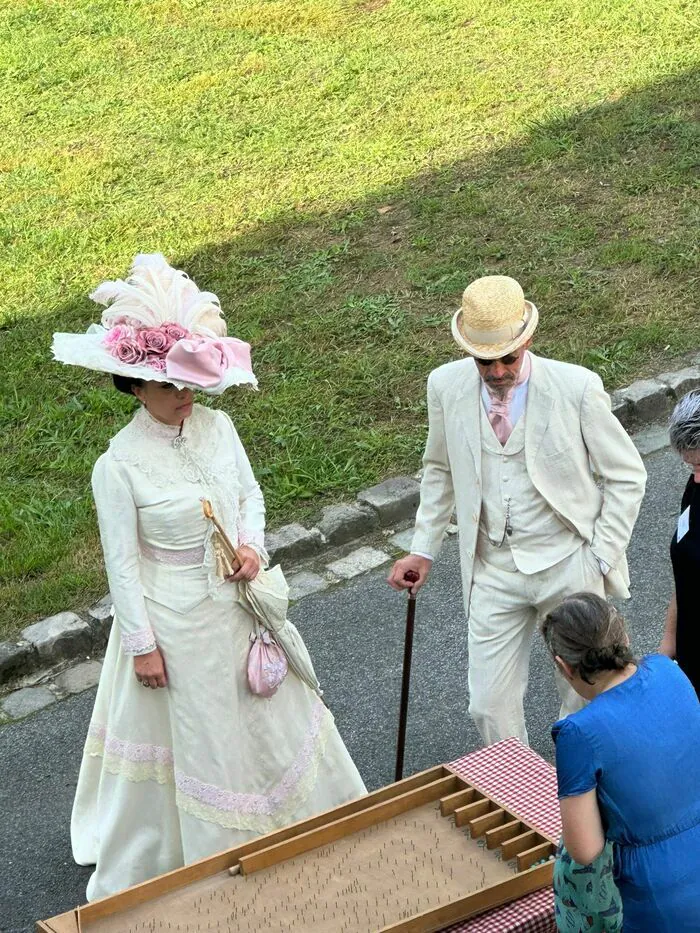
{"x":172,"y":775}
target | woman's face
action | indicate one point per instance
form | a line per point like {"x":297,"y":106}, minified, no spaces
{"x":692,"y":458}
{"x":165,"y":402}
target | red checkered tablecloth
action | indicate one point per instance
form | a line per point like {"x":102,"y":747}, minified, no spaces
{"x":522,"y":782}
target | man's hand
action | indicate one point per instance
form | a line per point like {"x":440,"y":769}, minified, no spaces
{"x":150,"y":669}
{"x":419,"y":565}
{"x":250,"y":564}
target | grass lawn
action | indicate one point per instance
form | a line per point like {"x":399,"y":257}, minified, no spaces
{"x":337,"y":171}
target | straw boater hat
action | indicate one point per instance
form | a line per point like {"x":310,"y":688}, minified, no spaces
{"x":160,"y":327}
{"x":495,"y":318}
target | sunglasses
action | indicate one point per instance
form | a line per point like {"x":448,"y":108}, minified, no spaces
{"x":506,"y":360}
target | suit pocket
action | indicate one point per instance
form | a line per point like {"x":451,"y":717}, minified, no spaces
{"x":562,"y":446}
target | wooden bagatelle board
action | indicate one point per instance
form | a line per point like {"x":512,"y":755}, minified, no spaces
{"x":413,"y":857}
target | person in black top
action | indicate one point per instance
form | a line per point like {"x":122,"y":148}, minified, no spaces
{"x":681,"y":639}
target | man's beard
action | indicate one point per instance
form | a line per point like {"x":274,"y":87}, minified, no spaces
{"x":502,"y":390}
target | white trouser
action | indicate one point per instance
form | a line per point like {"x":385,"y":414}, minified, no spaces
{"x":505,"y":607}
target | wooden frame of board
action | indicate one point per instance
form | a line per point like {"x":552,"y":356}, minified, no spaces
{"x":499,"y":826}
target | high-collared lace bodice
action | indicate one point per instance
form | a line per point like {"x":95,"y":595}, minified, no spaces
{"x":148,"y":488}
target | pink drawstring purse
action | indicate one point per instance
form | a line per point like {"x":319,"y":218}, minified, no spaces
{"x":276,"y":645}
{"x":267,"y":663}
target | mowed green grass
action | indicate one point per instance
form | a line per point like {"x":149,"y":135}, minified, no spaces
{"x":337,"y":172}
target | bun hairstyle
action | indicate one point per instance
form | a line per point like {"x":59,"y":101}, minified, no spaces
{"x":589,"y":634}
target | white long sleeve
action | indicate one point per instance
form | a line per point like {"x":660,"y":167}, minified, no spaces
{"x":251,"y":522}
{"x":116,"y":514}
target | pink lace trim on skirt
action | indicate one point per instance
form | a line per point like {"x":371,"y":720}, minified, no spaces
{"x":131,"y":751}
{"x":260,"y":804}
{"x":217,"y":797}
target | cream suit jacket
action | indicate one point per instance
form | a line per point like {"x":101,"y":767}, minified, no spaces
{"x":578,"y":456}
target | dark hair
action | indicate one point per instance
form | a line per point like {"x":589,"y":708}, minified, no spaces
{"x":588,"y":633}
{"x":126,"y":383}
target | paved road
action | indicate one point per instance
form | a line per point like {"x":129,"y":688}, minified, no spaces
{"x":355,"y":634}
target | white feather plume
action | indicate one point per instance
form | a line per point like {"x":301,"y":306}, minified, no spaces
{"x":155,"y":293}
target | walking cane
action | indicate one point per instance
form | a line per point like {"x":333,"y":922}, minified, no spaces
{"x":411,"y":577}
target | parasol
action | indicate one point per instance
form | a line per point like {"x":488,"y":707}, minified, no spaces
{"x":266,"y":598}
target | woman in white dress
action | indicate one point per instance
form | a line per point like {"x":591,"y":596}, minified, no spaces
{"x":196,"y":763}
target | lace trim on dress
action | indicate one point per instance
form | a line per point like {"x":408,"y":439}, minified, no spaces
{"x":140,"y":642}
{"x":184,"y":557}
{"x":256,"y":541}
{"x":129,"y":760}
{"x":259,"y":813}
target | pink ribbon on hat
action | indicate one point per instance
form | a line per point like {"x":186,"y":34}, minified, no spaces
{"x":203,"y":361}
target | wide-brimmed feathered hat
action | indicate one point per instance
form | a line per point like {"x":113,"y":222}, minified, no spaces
{"x":495,"y":318}
{"x":159,"y":326}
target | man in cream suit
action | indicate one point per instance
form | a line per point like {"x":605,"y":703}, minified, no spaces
{"x":546,"y":485}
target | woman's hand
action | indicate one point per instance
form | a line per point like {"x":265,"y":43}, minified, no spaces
{"x":150,"y":669}
{"x":250,"y":564}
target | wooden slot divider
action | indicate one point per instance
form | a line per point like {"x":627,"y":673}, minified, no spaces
{"x":494,"y":837}
{"x":64,"y":923}
{"x":448,"y":805}
{"x":464,"y":815}
{"x":479,"y":826}
{"x":222,"y":861}
{"x":431,"y":921}
{"x":518,"y":844}
{"x":338,"y":829}
{"x":528,"y":858}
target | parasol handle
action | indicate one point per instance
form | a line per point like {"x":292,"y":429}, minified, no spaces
{"x":209,"y":513}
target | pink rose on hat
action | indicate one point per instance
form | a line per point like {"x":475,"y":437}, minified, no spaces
{"x":117,"y":334}
{"x":127,"y":350}
{"x":175,"y":331}
{"x":154,"y":340}
{"x":156,"y":362}
{"x":149,"y":345}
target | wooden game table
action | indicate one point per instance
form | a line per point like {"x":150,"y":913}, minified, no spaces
{"x":452,"y":842}
{"x":522,"y":781}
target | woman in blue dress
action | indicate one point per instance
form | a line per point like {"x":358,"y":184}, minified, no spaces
{"x":628,"y":766}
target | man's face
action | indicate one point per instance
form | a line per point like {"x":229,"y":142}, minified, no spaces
{"x":501,"y":375}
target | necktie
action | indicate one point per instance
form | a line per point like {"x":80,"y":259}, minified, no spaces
{"x":499,"y":412}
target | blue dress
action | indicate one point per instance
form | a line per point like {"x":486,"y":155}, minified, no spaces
{"x":638,"y":745}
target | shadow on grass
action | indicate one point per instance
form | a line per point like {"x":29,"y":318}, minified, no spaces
{"x":348,"y":311}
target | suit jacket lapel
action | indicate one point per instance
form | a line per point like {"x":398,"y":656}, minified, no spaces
{"x":467,"y":402}
{"x":538,"y":409}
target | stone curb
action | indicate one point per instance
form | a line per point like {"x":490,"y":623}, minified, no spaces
{"x":71,"y":635}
